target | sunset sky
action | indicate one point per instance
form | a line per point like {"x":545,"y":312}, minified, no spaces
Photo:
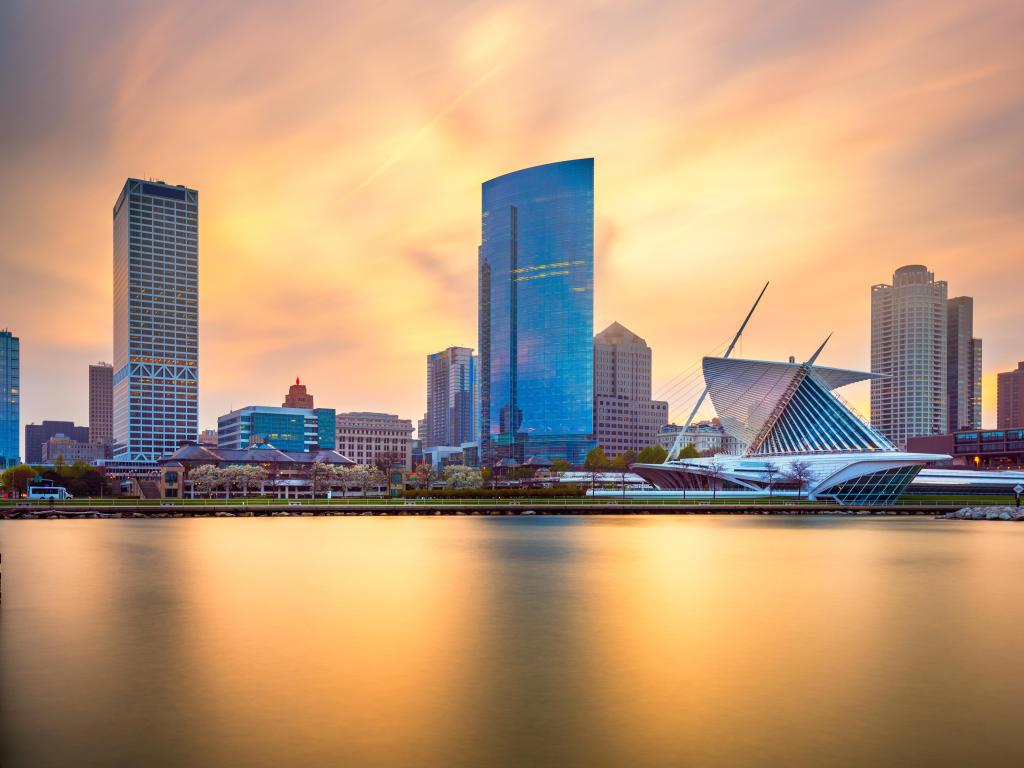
{"x":338,"y":149}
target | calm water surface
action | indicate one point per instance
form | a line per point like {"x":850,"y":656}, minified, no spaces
{"x":398,"y":642}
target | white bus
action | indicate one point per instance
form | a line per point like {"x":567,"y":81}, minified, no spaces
{"x":48,"y":492}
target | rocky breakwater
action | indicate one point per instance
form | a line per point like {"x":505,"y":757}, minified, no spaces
{"x":985,"y":513}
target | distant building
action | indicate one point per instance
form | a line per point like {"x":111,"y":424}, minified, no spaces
{"x":963,"y":366}
{"x":536,"y":314}
{"x":10,"y":398}
{"x":364,"y":435}
{"x":208,"y":438}
{"x":101,"y":404}
{"x":37,"y":434}
{"x":625,"y":416}
{"x":287,"y":429}
{"x":286,"y":474}
{"x":909,"y":347}
{"x":451,"y":383}
{"x":707,"y":437}
{"x":297,"y":396}
{"x":156,"y":319}
{"x":70,"y":450}
{"x":976,"y":448}
{"x":1010,"y":398}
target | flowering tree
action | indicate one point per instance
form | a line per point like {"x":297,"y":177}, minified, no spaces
{"x":458,"y":476}
{"x":205,"y":479}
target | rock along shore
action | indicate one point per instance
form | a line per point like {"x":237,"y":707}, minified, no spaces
{"x":984,"y":513}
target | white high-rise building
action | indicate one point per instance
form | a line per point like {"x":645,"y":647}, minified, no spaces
{"x":909,"y":349}
{"x":156,"y":319}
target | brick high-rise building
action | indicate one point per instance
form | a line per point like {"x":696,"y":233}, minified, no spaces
{"x":963,"y":366}
{"x":101,"y":403}
{"x":1010,"y":399}
{"x":625,"y":416}
{"x":297,"y":396}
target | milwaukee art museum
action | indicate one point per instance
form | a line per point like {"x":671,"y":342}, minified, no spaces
{"x":800,"y":435}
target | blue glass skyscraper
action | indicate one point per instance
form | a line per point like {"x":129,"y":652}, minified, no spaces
{"x":10,"y":398}
{"x":537,"y":314}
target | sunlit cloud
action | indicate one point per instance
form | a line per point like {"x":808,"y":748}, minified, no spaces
{"x":339,"y":151}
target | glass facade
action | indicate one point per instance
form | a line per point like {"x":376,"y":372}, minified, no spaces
{"x":10,"y":398}
{"x":537,"y":313}
{"x":451,"y":397}
{"x":883,"y":487}
{"x":156,"y":319}
{"x":292,"y":430}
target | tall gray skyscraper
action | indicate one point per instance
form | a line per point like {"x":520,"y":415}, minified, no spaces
{"x":537,"y":314}
{"x":625,"y":416}
{"x":156,"y":319}
{"x":10,"y":398}
{"x":909,"y":347}
{"x":963,"y":365}
{"x":101,"y":403}
{"x":451,"y":388}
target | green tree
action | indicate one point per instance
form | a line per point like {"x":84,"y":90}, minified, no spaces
{"x":15,"y":479}
{"x":621,"y":464}
{"x":486,"y":474}
{"x":595,"y":463}
{"x":558,"y":466}
{"x":424,"y":476}
{"x":652,"y":454}
{"x":689,"y":452}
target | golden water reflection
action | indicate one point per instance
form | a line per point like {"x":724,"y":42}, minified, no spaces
{"x":649,"y":641}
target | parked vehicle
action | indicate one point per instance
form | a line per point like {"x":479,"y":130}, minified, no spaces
{"x":48,"y":492}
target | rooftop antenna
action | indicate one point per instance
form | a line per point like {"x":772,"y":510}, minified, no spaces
{"x":677,"y":445}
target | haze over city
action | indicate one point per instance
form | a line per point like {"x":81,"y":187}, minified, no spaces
{"x":339,"y":150}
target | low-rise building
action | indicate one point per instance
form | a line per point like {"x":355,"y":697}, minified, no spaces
{"x":287,"y":429}
{"x":707,"y":437}
{"x":976,"y":448}
{"x":70,"y":450}
{"x":37,"y":434}
{"x":364,"y":436}
{"x":285,"y":474}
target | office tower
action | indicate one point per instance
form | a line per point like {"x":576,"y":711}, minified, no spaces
{"x":36,"y":435}
{"x":287,"y":429}
{"x":10,"y":398}
{"x":908,"y":347}
{"x":363,"y":436}
{"x":1010,"y":399}
{"x":536,"y":320}
{"x":101,"y":403}
{"x":963,"y":366}
{"x":297,"y":396}
{"x":451,"y":381}
{"x":625,"y":416}
{"x":156,"y":319}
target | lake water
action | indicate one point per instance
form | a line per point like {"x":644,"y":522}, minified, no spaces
{"x":408,"y":642}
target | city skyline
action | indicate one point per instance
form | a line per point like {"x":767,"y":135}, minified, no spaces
{"x":767,"y":159}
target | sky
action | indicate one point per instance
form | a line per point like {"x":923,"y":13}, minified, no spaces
{"x":339,"y":148}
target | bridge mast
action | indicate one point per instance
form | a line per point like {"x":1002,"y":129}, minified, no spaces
{"x":677,"y":445}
